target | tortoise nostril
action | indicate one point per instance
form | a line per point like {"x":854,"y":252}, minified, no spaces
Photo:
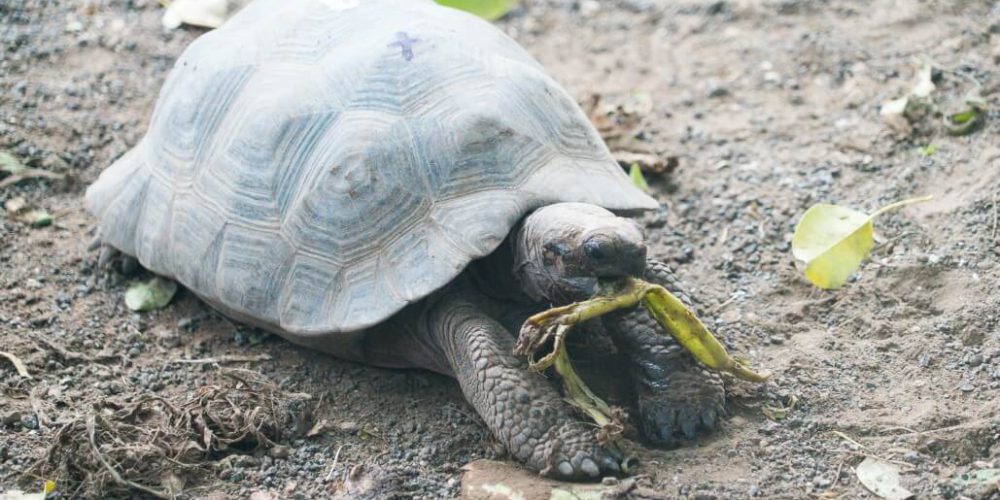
{"x":594,"y":249}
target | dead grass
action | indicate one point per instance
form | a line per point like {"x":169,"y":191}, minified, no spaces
{"x":151,"y":444}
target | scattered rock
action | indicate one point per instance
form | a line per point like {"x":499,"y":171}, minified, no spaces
{"x":490,"y":480}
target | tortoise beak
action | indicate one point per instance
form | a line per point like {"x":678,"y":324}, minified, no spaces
{"x":615,"y":257}
{"x":634,"y":260}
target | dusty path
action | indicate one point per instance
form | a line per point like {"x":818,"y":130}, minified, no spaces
{"x":768,"y":107}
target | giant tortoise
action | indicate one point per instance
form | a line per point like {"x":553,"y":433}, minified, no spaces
{"x":391,"y":182}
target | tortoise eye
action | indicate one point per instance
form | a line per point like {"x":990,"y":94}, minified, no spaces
{"x":594,"y":249}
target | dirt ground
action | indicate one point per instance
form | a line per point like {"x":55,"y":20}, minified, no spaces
{"x":768,"y":107}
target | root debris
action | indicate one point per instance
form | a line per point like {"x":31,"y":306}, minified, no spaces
{"x":150,"y":444}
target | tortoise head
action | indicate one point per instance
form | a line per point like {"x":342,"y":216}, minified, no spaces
{"x":561,"y":251}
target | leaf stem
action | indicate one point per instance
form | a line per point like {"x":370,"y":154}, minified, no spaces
{"x":578,"y":391}
{"x":899,"y":204}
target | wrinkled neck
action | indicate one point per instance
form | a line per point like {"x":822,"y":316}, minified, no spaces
{"x":527,"y":263}
{"x":497,"y":275}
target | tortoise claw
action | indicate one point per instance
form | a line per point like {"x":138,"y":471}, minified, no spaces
{"x":708,"y":419}
{"x":689,"y":420}
{"x":577,"y":454}
{"x":589,"y":468}
{"x":685,"y":407}
{"x":611,"y":464}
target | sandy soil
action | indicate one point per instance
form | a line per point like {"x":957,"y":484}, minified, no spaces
{"x":767,"y":106}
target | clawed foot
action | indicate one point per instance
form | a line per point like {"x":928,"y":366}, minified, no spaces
{"x":684,"y":404}
{"x":573,"y":452}
{"x":677,"y":395}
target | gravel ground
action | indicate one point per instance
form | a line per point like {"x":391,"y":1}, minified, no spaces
{"x":766,"y":107}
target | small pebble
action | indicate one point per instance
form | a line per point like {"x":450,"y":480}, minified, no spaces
{"x":29,"y":421}
{"x":717,"y":91}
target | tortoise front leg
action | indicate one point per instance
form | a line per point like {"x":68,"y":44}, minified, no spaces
{"x":522,"y":409}
{"x":677,"y":395}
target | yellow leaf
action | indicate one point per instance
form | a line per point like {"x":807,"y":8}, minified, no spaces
{"x":834,"y":240}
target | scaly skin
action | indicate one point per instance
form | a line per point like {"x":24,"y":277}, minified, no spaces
{"x":521,"y":407}
{"x":677,"y":395}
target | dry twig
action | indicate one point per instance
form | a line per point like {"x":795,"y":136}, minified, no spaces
{"x":225,"y":359}
{"x":29,"y":173}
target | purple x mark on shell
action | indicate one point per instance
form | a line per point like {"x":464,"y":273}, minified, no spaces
{"x":404,"y":42}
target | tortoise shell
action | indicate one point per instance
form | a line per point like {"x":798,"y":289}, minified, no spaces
{"x":317,"y":165}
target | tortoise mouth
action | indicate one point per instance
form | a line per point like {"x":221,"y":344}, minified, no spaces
{"x":573,"y":289}
{"x":577,"y":288}
{"x":627,"y":269}
{"x":585,"y":283}
{"x":624,"y":268}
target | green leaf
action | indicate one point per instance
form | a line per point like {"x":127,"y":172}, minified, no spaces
{"x":965,"y":122}
{"x":964,"y":116}
{"x":635,"y":173}
{"x":10,"y":164}
{"x":834,"y":240}
{"x":928,"y":150}
{"x":154,"y":294}
{"x":38,"y":218}
{"x":491,"y":10}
